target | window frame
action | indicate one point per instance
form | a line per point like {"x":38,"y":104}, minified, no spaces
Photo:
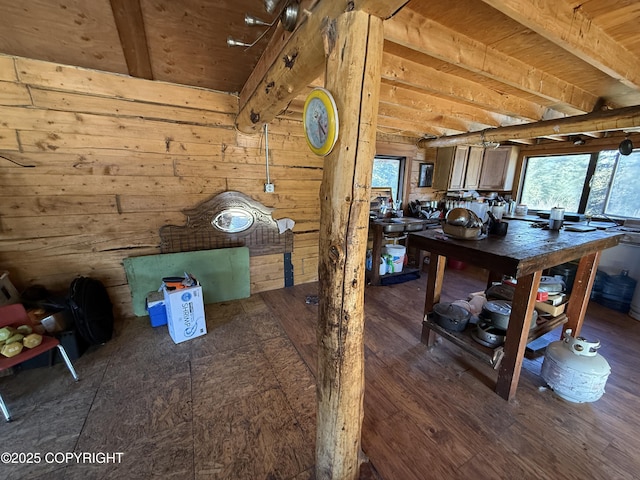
{"x":401,"y":174}
{"x":586,"y":189}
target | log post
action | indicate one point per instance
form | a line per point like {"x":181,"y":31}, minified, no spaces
{"x":354,"y":46}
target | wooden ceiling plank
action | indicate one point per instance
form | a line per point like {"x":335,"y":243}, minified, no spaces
{"x":422,"y":117}
{"x":397,"y":126}
{"x":428,"y":103}
{"x":130,"y":24}
{"x":414,"y":31}
{"x":397,"y":69}
{"x":608,"y":120}
{"x":298,"y":61}
{"x":380,"y":8}
{"x":572,"y":29}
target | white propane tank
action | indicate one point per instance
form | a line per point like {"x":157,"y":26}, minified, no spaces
{"x":574,"y":369}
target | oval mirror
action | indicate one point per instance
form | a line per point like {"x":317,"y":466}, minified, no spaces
{"x":232,"y":220}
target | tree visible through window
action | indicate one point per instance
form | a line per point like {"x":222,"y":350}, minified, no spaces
{"x":555,"y":182}
{"x":598,"y":184}
{"x":388,"y":172}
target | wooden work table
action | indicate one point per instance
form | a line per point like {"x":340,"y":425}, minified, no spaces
{"x":522,"y":254}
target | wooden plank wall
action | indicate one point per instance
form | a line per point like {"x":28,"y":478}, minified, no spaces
{"x":115,"y":158}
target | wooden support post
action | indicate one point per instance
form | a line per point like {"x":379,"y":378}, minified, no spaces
{"x":524,"y":300}
{"x":354,"y":45}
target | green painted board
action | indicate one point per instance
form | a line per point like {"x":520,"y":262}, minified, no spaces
{"x":223,"y":274}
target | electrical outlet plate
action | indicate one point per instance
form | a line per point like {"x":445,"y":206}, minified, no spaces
{"x":269,"y":187}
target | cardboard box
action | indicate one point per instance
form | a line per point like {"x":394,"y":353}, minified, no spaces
{"x":185,"y":313}
{"x":554,"y":310}
{"x":156,"y":309}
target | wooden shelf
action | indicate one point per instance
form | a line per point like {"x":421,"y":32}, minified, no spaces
{"x":490,"y":356}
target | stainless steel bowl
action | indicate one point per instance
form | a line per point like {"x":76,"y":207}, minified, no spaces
{"x":458,"y":217}
{"x":463,"y":217}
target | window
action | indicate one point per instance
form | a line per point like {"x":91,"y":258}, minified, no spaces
{"x":603,"y":183}
{"x":389,"y":172}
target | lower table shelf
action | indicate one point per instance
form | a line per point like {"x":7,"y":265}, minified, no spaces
{"x":491,"y":356}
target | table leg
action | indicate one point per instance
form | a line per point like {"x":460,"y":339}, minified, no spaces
{"x":524,"y":300}
{"x":581,"y":291}
{"x":435,"y":278}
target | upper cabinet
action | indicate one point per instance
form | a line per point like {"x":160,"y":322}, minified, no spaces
{"x":459,"y":168}
{"x":498,"y":168}
{"x":475,"y":168}
{"x":442,"y":169}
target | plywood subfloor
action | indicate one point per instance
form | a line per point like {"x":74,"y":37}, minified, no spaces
{"x":239,"y":403}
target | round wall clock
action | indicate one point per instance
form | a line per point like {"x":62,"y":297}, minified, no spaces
{"x":320,"y":120}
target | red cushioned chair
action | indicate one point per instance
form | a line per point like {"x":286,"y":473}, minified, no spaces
{"x":15,"y":315}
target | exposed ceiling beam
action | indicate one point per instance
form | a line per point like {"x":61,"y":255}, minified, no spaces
{"x":391,"y":93}
{"x":421,"y":117}
{"x":397,"y":69}
{"x":574,"y":31}
{"x":299,"y":60}
{"x":412,"y":30}
{"x":398,"y":126}
{"x":278,"y":40}
{"x":619,"y":119}
{"x":130,"y":24}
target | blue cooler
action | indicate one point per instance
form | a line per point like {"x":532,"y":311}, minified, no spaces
{"x":156,"y":309}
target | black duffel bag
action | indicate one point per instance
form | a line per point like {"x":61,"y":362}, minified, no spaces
{"x":91,"y":309}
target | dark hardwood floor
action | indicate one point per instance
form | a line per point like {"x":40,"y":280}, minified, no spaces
{"x":434,"y":415}
{"x":239,"y":402}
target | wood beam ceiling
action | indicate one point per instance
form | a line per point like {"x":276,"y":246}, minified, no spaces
{"x":130,"y":24}
{"x":401,"y":70}
{"x":296,"y":61}
{"x":410,"y":29}
{"x":573,"y":30}
{"x":610,"y":120}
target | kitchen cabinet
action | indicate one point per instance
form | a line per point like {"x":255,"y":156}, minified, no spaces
{"x":498,"y":168}
{"x":442,"y":170}
{"x":475,"y":168}
{"x":459,"y":168}
{"x":451,"y":168}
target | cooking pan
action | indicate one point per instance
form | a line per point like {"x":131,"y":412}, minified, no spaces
{"x":497,"y":312}
{"x":451,"y":317}
{"x":488,"y":335}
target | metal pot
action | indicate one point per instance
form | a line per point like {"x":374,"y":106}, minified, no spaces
{"x":450,"y":316}
{"x":498,"y":312}
{"x":488,"y":335}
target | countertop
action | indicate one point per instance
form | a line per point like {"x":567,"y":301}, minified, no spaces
{"x":523,"y":250}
